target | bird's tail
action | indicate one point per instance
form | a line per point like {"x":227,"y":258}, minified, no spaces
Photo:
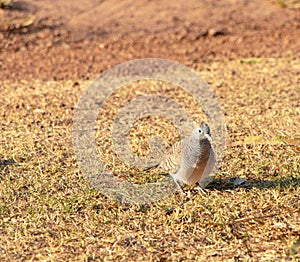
{"x":151,"y":166}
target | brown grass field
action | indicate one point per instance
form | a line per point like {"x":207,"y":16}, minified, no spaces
{"x":49,"y":212}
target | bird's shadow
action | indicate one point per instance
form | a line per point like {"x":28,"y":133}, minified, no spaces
{"x":234,"y":183}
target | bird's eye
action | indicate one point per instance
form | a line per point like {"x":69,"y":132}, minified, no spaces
{"x":200,"y":131}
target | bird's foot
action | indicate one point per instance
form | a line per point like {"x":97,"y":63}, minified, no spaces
{"x":200,"y":189}
{"x":184,"y":192}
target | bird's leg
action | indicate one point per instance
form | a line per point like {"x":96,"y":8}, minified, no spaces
{"x":199,"y":188}
{"x":180,"y":187}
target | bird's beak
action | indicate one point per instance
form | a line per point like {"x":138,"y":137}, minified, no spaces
{"x":208,"y":137}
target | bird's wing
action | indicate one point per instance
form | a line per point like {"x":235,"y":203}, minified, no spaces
{"x":170,"y":163}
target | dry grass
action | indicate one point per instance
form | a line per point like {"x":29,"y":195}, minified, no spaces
{"x":288,"y":3}
{"x":5,"y":3}
{"x":48,"y":212}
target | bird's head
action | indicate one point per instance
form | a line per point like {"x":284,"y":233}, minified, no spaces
{"x":202,"y":133}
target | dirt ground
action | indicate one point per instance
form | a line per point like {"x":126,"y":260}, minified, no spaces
{"x":249,"y":54}
{"x":57,"y":40}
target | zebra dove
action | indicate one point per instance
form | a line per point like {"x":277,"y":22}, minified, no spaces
{"x":190,"y":160}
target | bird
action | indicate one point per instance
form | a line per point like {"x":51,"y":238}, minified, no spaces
{"x":190,"y":160}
